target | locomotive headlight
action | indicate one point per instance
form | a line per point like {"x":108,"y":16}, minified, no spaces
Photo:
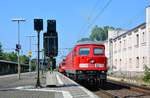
{"x":99,"y":65}
{"x":92,"y":61}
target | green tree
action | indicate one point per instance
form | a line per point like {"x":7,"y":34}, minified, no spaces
{"x":33,"y":66}
{"x":12,"y":56}
{"x":146,"y":74}
{"x":24,"y":59}
{"x":1,"y":51}
{"x":7,"y":56}
{"x":100,"y":33}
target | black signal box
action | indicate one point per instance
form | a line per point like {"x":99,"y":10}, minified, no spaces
{"x":50,"y":44}
{"x":38,"y":24}
{"x":51,"y":25}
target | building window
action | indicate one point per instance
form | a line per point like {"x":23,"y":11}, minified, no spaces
{"x":130,"y":42}
{"x":143,"y":37}
{"x":124,"y":43}
{"x":137,"y":62}
{"x":144,"y":61}
{"x":115,"y":62}
{"x":120,"y":63}
{"x":137,"y":40}
{"x":115,"y":48}
{"x":120,"y":46}
{"x":130,"y":62}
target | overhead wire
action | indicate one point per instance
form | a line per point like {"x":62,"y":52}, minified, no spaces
{"x":99,"y":14}
{"x":92,"y":21}
{"x":90,"y":15}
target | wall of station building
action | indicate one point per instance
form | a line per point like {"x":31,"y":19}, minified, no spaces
{"x":129,"y":50}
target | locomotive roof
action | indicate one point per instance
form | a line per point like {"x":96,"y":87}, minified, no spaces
{"x":90,"y":42}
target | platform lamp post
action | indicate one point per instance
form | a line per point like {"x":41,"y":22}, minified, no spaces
{"x":18,"y":46}
{"x":38,"y":27}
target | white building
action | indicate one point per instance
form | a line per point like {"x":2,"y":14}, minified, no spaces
{"x":129,"y":51}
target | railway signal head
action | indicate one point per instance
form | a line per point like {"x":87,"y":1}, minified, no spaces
{"x":50,"y":44}
{"x":18,"y":47}
{"x":38,"y":25}
{"x":51,"y":25}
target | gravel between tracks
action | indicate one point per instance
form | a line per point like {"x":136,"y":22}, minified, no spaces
{"x":118,"y":91}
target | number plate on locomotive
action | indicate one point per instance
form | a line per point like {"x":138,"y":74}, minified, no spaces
{"x":99,"y":65}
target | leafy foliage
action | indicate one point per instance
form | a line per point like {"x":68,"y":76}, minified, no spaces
{"x":24,"y":59}
{"x":1,"y":51}
{"x":146,"y":74}
{"x":33,"y":67}
{"x":12,"y":56}
{"x":100,"y":33}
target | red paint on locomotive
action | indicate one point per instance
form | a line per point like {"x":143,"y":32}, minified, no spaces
{"x":87,"y":61}
{"x":87,"y":57}
{"x":62,"y":67}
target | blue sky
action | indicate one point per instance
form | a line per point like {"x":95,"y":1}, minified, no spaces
{"x":71,"y":17}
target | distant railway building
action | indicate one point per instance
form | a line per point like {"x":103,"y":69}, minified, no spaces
{"x":9,"y":67}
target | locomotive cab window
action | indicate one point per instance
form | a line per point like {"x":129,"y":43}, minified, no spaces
{"x":98,"y":51}
{"x":84,"y":51}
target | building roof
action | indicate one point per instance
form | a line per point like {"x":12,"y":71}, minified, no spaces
{"x":11,"y":62}
{"x":131,"y":30}
{"x":89,"y":42}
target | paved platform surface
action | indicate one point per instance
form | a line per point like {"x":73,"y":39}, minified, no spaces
{"x":29,"y":94}
{"x":11,"y":87}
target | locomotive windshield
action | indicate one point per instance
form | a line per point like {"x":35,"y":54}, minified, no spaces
{"x":98,"y":51}
{"x":84,"y":51}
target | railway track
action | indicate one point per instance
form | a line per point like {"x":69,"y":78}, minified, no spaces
{"x":142,"y":89}
{"x":115,"y":89}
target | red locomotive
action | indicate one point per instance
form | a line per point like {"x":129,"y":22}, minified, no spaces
{"x":87,"y":63}
{"x":62,"y":67}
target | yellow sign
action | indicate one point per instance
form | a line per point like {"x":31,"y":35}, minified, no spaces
{"x":30,"y":53}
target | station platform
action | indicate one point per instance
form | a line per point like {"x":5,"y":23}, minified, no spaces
{"x":64,"y":88}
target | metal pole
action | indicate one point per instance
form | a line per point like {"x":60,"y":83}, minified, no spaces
{"x":38,"y":46}
{"x":30,"y":41}
{"x":19,"y":68}
{"x":29,"y":64}
{"x":30,"y":56}
{"x":18,"y":20}
{"x":42,"y":60}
